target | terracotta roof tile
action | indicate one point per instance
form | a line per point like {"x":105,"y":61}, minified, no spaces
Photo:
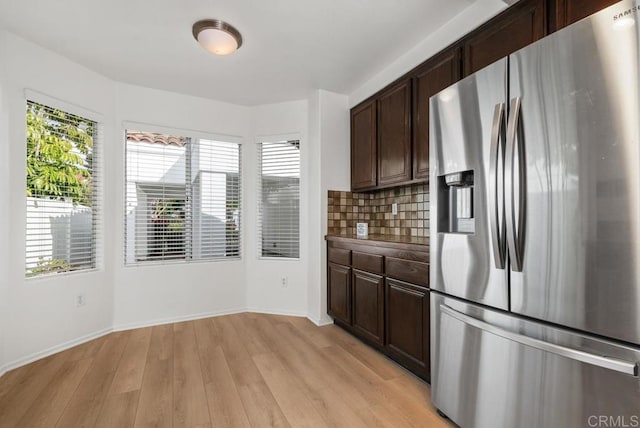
{"x":150,"y":137}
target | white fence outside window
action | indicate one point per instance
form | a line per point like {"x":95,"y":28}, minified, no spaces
{"x":56,"y":230}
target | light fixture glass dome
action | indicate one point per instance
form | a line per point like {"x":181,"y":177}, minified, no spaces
{"x":217,"y":36}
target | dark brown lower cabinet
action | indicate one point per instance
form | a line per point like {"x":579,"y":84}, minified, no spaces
{"x":368,"y":305}
{"x":367,"y":295}
{"x":339,"y":292}
{"x":407,"y":322}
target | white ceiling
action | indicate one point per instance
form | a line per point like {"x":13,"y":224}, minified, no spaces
{"x":290,"y":46}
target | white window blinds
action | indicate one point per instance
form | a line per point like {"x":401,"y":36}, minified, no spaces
{"x":279,"y":200}
{"x":182,"y":198}
{"x":62,"y":191}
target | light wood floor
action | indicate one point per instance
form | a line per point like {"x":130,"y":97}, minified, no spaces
{"x":244,"y":370}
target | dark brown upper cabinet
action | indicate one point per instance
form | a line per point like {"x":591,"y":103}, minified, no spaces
{"x":569,"y":11}
{"x":390,"y":130}
{"x":430,"y":78}
{"x":394,"y":134}
{"x":364,"y":146}
{"x":516,"y":27}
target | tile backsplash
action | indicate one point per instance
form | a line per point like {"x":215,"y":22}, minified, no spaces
{"x":375,"y":208}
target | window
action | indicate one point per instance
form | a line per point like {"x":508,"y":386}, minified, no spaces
{"x":279,"y":203}
{"x":62,"y":185}
{"x":182,"y":198}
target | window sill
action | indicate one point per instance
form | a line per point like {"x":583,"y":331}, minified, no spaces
{"x":156,"y":263}
{"x":49,"y":276}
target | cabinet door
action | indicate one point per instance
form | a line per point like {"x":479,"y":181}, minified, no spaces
{"x":407,"y":322}
{"x":434,"y":76}
{"x":339,"y":292}
{"x":518,"y":26}
{"x":368,"y":305}
{"x":394,"y":135}
{"x":363,"y":146}
{"x":569,"y":11}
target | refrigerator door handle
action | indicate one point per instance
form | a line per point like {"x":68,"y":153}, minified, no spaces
{"x":496,"y":205}
{"x":513,"y":201}
{"x":621,"y":366}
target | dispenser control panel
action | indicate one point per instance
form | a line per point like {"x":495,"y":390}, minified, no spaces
{"x":455,"y":202}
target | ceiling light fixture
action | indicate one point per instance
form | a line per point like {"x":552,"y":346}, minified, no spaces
{"x":217,"y":36}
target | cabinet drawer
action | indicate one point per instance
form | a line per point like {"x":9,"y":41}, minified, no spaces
{"x":406,"y":270}
{"x":368,"y":262}
{"x":340,"y":256}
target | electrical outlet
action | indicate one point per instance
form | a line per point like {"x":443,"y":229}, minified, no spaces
{"x":284,"y":282}
{"x":394,"y":208}
{"x":81,"y":300}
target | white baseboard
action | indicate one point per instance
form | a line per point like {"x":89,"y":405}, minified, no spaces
{"x":53,"y":350}
{"x":181,"y":318}
{"x":325,"y":320}
{"x":272,"y":312}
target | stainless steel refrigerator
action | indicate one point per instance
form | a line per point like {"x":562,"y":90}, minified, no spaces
{"x":535,"y":233}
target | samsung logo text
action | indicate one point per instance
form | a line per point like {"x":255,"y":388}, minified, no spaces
{"x":627,"y":13}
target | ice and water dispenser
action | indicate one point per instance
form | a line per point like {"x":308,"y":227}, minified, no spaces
{"x":455,"y":203}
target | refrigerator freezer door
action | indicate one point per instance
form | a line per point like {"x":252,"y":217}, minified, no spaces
{"x":580,"y":110}
{"x":464,"y":118}
{"x":491,"y":369}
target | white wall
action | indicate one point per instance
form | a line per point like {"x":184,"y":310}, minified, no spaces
{"x":473,"y":16}
{"x":4,"y":207}
{"x":329,"y":142}
{"x":314,"y":281}
{"x":40,"y":314}
{"x":265,"y":293}
{"x":161,"y":293}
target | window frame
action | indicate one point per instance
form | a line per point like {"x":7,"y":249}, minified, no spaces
{"x":259,"y":140}
{"x":97,"y":219}
{"x":192,"y":135}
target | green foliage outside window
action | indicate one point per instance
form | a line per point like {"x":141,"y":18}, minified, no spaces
{"x":59,"y":155}
{"x":49,"y":266}
{"x":168,"y":228}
